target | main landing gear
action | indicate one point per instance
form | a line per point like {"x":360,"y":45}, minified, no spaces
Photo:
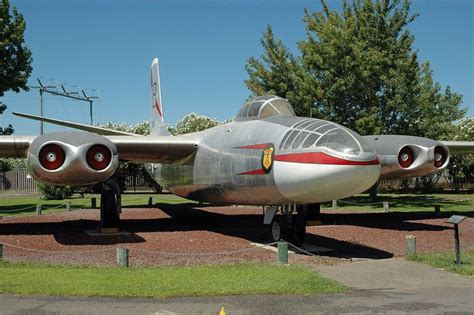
{"x":110,"y":206}
{"x":288,"y":222}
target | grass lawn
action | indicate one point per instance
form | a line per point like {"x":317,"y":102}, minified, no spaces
{"x":446,"y":261}
{"x":164,"y":281}
{"x":397,"y":202}
{"x":408,"y":202}
{"x":16,"y":202}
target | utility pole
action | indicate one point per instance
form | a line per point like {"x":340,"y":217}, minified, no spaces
{"x":52,"y":89}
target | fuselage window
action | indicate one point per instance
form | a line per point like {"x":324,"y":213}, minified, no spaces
{"x":299,"y":139}
{"x":311,"y":140}
{"x":290,"y":139}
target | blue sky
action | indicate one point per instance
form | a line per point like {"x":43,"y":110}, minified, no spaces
{"x":202,"y":47}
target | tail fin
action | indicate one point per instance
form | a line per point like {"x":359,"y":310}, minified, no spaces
{"x":157,"y":122}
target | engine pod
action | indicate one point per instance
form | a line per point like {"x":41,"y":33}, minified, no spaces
{"x":88,"y":158}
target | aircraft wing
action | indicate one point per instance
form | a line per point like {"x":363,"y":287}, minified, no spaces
{"x":459,"y":147}
{"x":95,"y":129}
{"x":140,"y":149}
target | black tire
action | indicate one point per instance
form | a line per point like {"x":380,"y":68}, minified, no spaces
{"x":279,"y":228}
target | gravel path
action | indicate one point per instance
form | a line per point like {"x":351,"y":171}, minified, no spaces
{"x":193,"y":235}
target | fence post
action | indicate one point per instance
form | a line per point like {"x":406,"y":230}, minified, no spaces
{"x":386,"y":206}
{"x":334,"y":204}
{"x":150,"y":201}
{"x":282,"y":252}
{"x":93,"y":202}
{"x":122,"y":257}
{"x":38,"y":209}
{"x":410,"y":245}
{"x":1,"y":252}
{"x":68,"y":206}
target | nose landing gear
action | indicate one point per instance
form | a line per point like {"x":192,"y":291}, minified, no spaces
{"x":288,"y":222}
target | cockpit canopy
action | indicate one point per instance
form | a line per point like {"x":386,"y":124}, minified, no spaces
{"x":263,"y":107}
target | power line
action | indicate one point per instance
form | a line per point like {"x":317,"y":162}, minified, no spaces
{"x":80,"y":95}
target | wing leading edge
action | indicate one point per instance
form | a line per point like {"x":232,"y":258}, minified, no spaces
{"x":140,"y":149}
{"x":94,"y":129}
{"x":459,"y":147}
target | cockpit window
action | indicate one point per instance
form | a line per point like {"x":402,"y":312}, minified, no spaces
{"x":264,"y":107}
{"x":339,"y":140}
{"x":310,"y":132}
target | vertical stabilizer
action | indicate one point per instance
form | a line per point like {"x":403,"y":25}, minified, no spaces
{"x":157,"y":122}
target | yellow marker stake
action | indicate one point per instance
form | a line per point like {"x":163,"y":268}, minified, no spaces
{"x":222,"y":311}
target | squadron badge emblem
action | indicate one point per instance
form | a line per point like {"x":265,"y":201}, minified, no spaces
{"x":267,"y":158}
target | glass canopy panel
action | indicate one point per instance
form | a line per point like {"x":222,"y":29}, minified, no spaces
{"x":264,"y":107}
{"x":339,"y":140}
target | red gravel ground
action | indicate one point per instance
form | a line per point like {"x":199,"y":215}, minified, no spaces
{"x":192,"y":235}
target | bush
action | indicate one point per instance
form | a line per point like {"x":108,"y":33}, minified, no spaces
{"x":52,"y":192}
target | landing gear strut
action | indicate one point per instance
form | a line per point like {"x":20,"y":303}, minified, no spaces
{"x":288,"y":222}
{"x":110,"y":201}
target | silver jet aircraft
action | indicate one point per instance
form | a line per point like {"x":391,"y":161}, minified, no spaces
{"x":266,"y":156}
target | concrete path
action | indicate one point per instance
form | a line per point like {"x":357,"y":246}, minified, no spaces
{"x":390,"y":286}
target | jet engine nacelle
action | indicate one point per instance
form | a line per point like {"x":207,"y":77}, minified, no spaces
{"x":407,"y":156}
{"x":72,"y":158}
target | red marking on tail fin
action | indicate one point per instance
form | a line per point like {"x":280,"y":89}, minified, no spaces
{"x":158,"y":108}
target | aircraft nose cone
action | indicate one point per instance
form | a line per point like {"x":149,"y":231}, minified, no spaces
{"x":320,"y":177}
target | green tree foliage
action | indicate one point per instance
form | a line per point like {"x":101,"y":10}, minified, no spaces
{"x":9,"y":129}
{"x":142,"y":128}
{"x":461,"y":166}
{"x":358,"y":67}
{"x":193,"y":123}
{"x":15,"y":57}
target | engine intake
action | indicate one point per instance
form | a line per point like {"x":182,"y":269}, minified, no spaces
{"x":408,"y":156}
{"x":51,"y":156}
{"x":72,"y":158}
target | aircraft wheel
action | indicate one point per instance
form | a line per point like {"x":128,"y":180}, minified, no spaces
{"x":279,"y":228}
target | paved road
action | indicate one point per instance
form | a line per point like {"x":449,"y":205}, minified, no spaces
{"x":389,"y":286}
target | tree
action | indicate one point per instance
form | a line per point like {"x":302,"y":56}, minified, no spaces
{"x":358,"y":68}
{"x":193,"y":123}
{"x":461,"y":167}
{"x":15,"y":57}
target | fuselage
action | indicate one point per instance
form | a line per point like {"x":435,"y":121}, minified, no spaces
{"x":272,"y":161}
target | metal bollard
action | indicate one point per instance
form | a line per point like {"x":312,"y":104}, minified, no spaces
{"x":93,"y":202}
{"x":334,"y":204}
{"x":68,"y":206}
{"x":150,"y":201}
{"x":282,"y":253}
{"x":410,"y":245}
{"x":122,"y":257}
{"x":38,"y":209}
{"x":437,"y":211}
{"x":1,"y":252}
{"x":386,"y":206}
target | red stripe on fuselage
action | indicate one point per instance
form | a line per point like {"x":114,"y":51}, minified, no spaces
{"x":320,"y":158}
{"x":254,"y":172}
{"x":254,"y":146}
